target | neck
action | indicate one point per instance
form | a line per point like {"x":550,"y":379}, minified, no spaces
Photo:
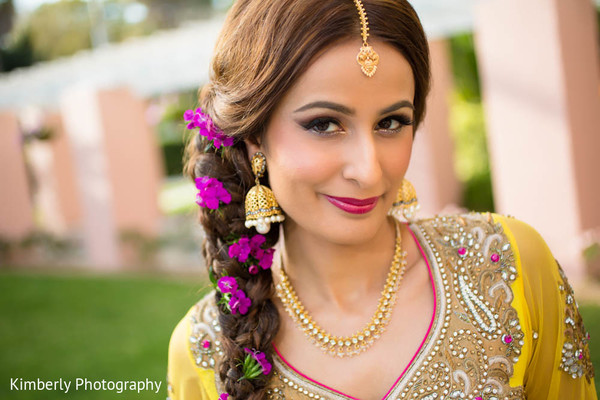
{"x":333,"y":275}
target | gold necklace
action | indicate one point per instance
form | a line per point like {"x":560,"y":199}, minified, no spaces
{"x":347,"y":346}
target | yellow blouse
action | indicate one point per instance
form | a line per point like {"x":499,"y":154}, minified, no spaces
{"x":505,"y":325}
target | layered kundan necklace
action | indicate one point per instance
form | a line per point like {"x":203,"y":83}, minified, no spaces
{"x":347,"y":346}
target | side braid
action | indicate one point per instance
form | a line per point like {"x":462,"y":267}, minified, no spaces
{"x":257,"y":328}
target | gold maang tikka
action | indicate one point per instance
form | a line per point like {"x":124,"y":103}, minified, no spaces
{"x":367,"y":58}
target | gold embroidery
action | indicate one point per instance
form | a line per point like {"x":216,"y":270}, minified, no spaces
{"x":204,"y":342}
{"x":481,"y":338}
{"x":476,"y":337}
{"x":575,"y":352}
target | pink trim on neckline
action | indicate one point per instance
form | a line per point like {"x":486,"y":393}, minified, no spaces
{"x":414,"y":356}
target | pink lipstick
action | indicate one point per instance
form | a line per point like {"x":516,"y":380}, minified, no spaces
{"x":353,"y":206}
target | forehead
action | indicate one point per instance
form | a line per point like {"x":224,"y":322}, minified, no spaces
{"x":335,"y":75}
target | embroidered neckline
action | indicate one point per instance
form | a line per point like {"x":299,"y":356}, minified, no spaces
{"x":474,"y":337}
{"x":318,"y":387}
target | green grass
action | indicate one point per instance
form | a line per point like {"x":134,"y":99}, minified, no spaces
{"x":108,"y":327}
{"x":116,"y":328}
{"x":591,"y":318}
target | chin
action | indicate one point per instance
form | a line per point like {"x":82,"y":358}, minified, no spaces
{"x":353,"y":229}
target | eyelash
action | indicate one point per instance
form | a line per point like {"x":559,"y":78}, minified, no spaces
{"x":403,"y":120}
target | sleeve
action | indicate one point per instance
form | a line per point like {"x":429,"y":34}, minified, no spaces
{"x":558,"y":366}
{"x":185,"y":381}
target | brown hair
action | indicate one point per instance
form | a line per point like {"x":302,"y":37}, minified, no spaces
{"x":264,"y":47}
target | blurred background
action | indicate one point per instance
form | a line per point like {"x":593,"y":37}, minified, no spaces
{"x":99,"y":245}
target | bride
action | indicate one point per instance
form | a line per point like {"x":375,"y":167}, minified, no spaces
{"x":326,"y":285}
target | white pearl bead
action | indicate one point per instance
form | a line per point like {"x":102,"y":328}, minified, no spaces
{"x":263,"y":226}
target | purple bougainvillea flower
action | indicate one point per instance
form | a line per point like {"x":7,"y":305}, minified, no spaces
{"x":222,"y":140}
{"x":261,"y":359}
{"x":240,"y":249}
{"x":253,"y":269}
{"x":188,"y":115}
{"x":239,"y":303}
{"x":224,"y":396}
{"x":211,"y":192}
{"x":266,"y":260}
{"x":195,"y":117}
{"x":227,"y":284}
{"x":257,"y":241}
{"x":207,"y":128}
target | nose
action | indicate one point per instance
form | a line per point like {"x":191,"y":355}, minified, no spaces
{"x":361,"y":159}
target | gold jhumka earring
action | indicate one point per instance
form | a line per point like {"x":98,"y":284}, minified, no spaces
{"x":367,"y":58}
{"x":406,"y":204}
{"x":261,"y":207}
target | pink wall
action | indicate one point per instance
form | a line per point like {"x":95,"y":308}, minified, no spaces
{"x":16,"y":211}
{"x":540,"y":81}
{"x":133,"y":161}
{"x":117,"y":168}
{"x":64,"y":170}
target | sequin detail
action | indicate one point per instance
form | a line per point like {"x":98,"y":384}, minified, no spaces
{"x":204,"y":342}
{"x":575,"y":358}
{"x":480,"y":336}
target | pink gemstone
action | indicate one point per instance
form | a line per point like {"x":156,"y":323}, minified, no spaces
{"x":206,"y":344}
{"x":495,"y":257}
{"x":507,"y":339}
{"x":462,"y":251}
{"x":580,"y":356}
{"x":478,"y":398}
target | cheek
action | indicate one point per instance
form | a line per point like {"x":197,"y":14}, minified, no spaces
{"x":298,"y":165}
{"x":397,"y":159}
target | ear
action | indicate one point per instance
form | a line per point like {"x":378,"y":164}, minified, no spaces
{"x":252,"y":146}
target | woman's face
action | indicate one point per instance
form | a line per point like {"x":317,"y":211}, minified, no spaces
{"x":339,"y":143}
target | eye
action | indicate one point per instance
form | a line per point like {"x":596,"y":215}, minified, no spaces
{"x":393,"y":124}
{"x":323,"y":126}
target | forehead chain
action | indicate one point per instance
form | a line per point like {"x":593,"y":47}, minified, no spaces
{"x":367,"y":58}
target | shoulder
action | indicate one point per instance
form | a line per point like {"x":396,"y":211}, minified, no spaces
{"x":193,"y":351}
{"x":197,"y":333}
{"x":490,"y":230}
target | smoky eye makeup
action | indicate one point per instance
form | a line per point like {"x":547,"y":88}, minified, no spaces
{"x":322,"y":126}
{"x":328,"y":126}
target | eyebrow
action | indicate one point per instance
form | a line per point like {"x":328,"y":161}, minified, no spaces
{"x":350,"y":111}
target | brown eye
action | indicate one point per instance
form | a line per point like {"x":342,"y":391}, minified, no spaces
{"x":322,"y":126}
{"x":393,"y":124}
{"x":389,"y":123}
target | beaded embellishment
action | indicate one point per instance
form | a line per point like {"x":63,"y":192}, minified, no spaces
{"x":204,"y":342}
{"x":575,"y":358}
{"x":476,"y":337}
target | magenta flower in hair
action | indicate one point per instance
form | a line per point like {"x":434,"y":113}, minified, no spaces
{"x":240,"y":249}
{"x":239,"y":303}
{"x":224,"y":396}
{"x":255,"y":363}
{"x":227,"y":284}
{"x":193,"y":118}
{"x":222,"y":140}
{"x":233,"y":298}
{"x":207,"y":128}
{"x":266,"y":260}
{"x":211,"y":192}
{"x":250,"y":253}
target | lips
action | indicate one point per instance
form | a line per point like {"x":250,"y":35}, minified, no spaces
{"x":352,"y":205}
